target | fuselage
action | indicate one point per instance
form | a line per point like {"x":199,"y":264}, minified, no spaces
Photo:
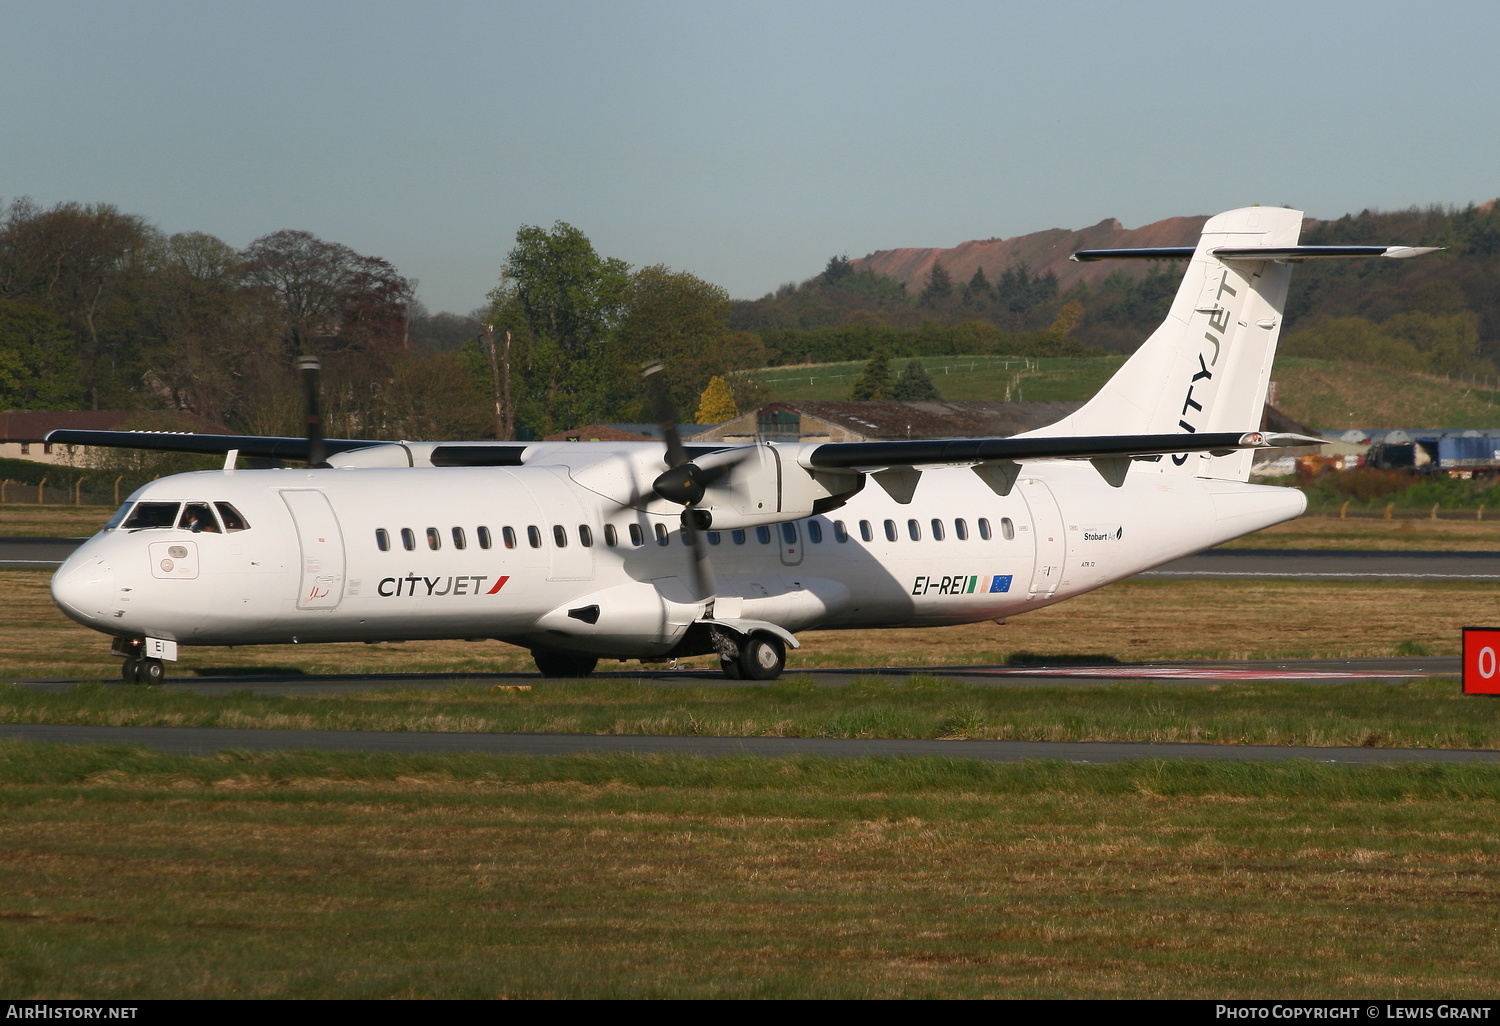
{"x":529,"y":556}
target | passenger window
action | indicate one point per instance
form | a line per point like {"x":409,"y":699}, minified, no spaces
{"x":637,"y":537}
{"x":961,"y":529}
{"x":231,"y":517}
{"x":866,"y":532}
{"x":198,"y":518}
{"x":434,"y":539}
{"x":483,"y":534}
{"x":534,"y":536}
{"x":814,"y":532}
{"x":1007,"y":529}
{"x":560,"y":536}
{"x":459,"y":539}
{"x":661,"y":534}
{"x":408,"y":539}
{"x":890,"y":530}
{"x":611,"y":536}
{"x":984,"y":528}
{"x":585,"y":536}
{"x":789,"y":533}
{"x":914,"y":529}
{"x":508,"y":536}
{"x":738,"y":537}
{"x":684,"y":536}
{"x":382,"y":539}
{"x":763,"y":535}
{"x":714,"y":537}
{"x":840,"y":532}
{"x":937,"y":529}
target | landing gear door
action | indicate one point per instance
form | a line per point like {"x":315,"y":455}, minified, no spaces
{"x":322,"y":581}
{"x":1047,"y":534}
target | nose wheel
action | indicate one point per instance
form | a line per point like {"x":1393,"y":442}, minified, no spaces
{"x":142,"y":671}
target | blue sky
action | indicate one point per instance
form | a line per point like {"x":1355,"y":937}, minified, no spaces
{"x":744,"y":142}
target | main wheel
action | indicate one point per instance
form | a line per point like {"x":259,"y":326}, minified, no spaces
{"x":762,"y":657}
{"x":130,"y":670}
{"x":563,"y":664}
{"x":153,"y":671}
{"x":731,"y":668}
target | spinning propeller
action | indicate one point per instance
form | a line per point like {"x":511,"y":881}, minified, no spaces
{"x":684,"y":483}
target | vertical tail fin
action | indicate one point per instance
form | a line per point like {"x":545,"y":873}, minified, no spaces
{"x":1206,"y":368}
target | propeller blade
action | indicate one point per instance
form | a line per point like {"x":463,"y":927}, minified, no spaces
{"x":683,"y":483}
{"x":666,"y":414}
{"x":316,"y":451}
{"x":703,"y":571}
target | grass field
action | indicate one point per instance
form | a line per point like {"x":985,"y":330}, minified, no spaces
{"x":1419,"y":713}
{"x":128,"y":874}
{"x":131,"y":875}
{"x":1319,"y":393}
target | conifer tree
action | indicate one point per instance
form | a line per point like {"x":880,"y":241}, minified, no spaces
{"x":874,"y":385}
{"x":915,"y":384}
{"x":939,"y":286}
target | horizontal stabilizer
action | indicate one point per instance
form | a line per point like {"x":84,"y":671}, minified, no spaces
{"x":1288,"y":253}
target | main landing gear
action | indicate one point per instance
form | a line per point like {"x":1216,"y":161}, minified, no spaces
{"x":760,"y":657}
{"x":563,"y":664}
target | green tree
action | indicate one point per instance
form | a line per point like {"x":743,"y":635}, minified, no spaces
{"x":569,"y":300}
{"x":977,"y":292}
{"x":915,"y":384}
{"x":838,"y":268}
{"x":71,"y":259}
{"x":938,"y":288}
{"x":874,"y":384}
{"x":37,"y":366}
{"x":716,"y":404}
{"x":683,"y":321}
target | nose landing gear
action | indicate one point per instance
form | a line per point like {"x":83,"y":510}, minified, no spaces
{"x":138,"y":668}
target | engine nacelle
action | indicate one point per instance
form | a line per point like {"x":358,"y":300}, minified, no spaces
{"x":764,"y":484}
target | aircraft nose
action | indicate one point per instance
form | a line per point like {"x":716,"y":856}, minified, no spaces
{"x":84,"y":588}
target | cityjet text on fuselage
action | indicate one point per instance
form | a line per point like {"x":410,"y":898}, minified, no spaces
{"x":413,"y":584}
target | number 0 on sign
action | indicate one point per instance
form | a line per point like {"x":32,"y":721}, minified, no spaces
{"x":1482,"y":660}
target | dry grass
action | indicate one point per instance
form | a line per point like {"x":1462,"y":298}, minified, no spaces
{"x":24,"y":520}
{"x":347,"y":876}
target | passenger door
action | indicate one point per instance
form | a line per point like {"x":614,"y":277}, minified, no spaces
{"x":322,"y":580}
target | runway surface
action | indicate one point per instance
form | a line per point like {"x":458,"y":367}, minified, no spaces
{"x":1307,"y":564}
{"x":208,"y":740}
{"x":1314,"y":671}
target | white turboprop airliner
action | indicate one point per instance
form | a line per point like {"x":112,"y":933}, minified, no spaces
{"x":579,"y":551}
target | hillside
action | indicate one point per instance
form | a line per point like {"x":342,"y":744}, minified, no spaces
{"x":1319,"y":393}
{"x":1043,"y":252}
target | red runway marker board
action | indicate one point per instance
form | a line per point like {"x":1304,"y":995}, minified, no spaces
{"x":1482,"y":660}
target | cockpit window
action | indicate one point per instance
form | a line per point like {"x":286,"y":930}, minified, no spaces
{"x":119,"y":517}
{"x":197,"y":517}
{"x":151,"y":514}
{"x":231,"y":517}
